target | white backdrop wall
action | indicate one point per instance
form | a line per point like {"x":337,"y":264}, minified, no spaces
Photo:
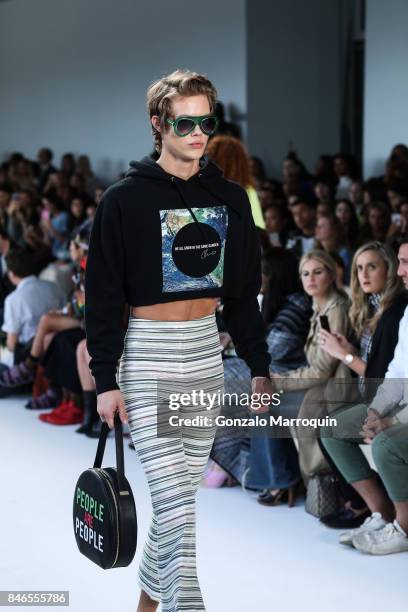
{"x":386,"y":81}
{"x":73,"y":73}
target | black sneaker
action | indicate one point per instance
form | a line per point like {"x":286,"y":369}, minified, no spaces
{"x":344,"y":518}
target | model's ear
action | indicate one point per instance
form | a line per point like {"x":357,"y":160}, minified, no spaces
{"x":156,"y":122}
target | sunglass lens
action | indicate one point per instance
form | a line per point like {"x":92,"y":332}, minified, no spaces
{"x":209,"y":125}
{"x":184,"y":126}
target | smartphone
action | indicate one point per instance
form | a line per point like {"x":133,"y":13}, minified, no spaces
{"x":397,"y":219}
{"x":324,"y":323}
{"x":45,"y":214}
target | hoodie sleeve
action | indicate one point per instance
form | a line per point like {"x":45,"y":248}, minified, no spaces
{"x":242,"y":316}
{"x":104,"y":294}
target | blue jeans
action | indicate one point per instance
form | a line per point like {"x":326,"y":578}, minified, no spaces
{"x":274,"y":462}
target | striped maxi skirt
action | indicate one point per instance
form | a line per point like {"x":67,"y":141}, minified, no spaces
{"x":162,"y":359}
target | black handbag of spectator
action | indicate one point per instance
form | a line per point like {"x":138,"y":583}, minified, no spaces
{"x":104,"y":512}
{"x":322,"y":496}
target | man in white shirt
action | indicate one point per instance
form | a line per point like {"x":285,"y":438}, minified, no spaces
{"x":24,"y":306}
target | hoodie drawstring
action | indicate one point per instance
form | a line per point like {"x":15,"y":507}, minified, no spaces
{"x":179,"y":191}
{"x":217,"y":197}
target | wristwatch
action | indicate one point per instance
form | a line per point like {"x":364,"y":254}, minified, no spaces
{"x":347,"y":359}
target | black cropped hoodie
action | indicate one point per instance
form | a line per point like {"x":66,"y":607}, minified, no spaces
{"x":158,"y":238}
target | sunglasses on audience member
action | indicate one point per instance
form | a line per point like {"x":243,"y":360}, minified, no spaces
{"x":185,"y":124}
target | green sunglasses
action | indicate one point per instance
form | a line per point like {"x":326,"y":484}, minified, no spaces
{"x":185,"y":124}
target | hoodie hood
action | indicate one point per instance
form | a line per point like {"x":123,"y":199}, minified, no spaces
{"x":208,"y":177}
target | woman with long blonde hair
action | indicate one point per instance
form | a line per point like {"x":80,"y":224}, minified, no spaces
{"x":375,"y":287}
{"x":378,"y":303}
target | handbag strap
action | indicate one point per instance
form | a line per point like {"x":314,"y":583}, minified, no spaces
{"x":120,"y":461}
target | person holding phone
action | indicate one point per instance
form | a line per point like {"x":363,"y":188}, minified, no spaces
{"x":170,"y":239}
{"x":330,"y":306}
{"x":378,"y":304}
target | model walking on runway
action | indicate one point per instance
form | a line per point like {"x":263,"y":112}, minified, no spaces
{"x":170,"y":239}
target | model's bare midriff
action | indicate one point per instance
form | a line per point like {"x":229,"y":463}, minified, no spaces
{"x":180,"y":310}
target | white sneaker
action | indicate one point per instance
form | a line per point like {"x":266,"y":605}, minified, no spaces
{"x":372,"y":523}
{"x":391,"y":539}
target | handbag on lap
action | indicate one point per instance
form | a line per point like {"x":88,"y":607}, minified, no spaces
{"x":104,"y":512}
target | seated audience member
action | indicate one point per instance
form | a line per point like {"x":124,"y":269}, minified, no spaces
{"x":396,"y":167}
{"x":340,"y":273}
{"x":60,"y":364}
{"x":55,"y":183}
{"x":276,"y":224}
{"x":345,"y":169}
{"x":84,"y":168}
{"x":45,"y":167}
{"x":404,"y":216}
{"x":397,"y":192}
{"x":232,"y":157}
{"x":324,"y":194}
{"x":68,"y":166}
{"x":374,"y":191}
{"x":378,"y":223}
{"x":346,"y":214}
{"x":99,"y":191}
{"x":324,"y":209}
{"x":55,"y":224}
{"x":5,"y":198}
{"x":40,"y":251}
{"x":329,"y":236}
{"x":6,"y":245}
{"x":77,"y":182}
{"x":378,"y":303}
{"x":383,"y":423}
{"x":286,"y":310}
{"x":318,"y":274}
{"x":50,"y":323}
{"x":24,"y":306}
{"x":324,"y":170}
{"x":22,"y":175}
{"x":77,"y":211}
{"x":257,"y":171}
{"x":301,"y":240}
{"x":356,"y":197}
{"x":267,"y":194}
{"x":22,"y":214}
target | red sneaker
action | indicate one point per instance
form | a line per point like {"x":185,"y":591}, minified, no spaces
{"x":60,"y":409}
{"x":72,"y":415}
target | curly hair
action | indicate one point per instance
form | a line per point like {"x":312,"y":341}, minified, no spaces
{"x":178,"y":83}
{"x":232,"y":157}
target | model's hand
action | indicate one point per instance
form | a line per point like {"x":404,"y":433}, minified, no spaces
{"x":263,"y":388}
{"x":225,"y":339}
{"x":109,"y":403}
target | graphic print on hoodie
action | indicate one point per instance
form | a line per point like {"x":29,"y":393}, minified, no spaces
{"x":193,"y":251}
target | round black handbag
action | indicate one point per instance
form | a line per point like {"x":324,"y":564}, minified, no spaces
{"x":104,"y":512}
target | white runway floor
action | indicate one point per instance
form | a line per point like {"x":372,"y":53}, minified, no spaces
{"x":250,"y":557}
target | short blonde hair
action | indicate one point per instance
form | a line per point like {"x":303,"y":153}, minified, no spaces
{"x":178,"y":83}
{"x":322,"y":257}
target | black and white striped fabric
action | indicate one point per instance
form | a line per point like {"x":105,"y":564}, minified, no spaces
{"x":160,"y":356}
